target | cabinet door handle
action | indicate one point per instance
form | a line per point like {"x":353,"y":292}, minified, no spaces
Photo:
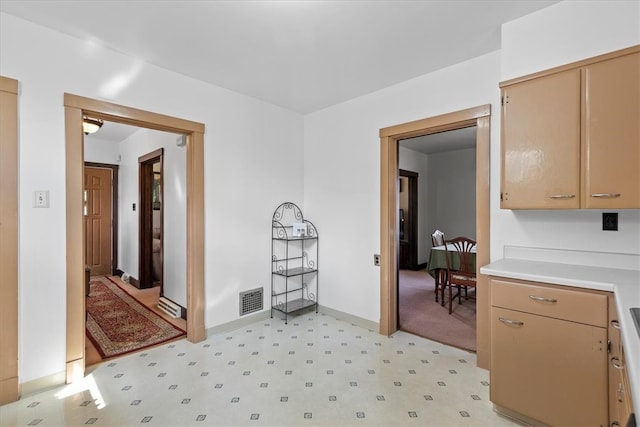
{"x":510,"y":322}
{"x":606,"y":195}
{"x":543,"y":299}
{"x":615,"y":324}
{"x":616,"y":363}
{"x":562,"y":196}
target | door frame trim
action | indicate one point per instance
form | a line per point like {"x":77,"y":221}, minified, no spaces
{"x":75,"y":107}
{"x":477,"y":116}
{"x":9,"y":292}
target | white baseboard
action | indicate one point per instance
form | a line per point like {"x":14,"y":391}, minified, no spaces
{"x":354,"y":320}
{"x":266,"y":314}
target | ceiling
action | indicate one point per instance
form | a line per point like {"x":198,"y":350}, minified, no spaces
{"x":452,"y":140}
{"x":302,"y":55}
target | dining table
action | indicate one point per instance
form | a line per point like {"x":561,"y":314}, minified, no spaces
{"x":437,"y":264}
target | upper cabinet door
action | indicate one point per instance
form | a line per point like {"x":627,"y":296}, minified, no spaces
{"x":611,"y":146}
{"x":541,"y":143}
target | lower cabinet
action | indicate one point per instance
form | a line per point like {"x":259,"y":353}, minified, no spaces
{"x":620,"y":404}
{"x":549,"y":353}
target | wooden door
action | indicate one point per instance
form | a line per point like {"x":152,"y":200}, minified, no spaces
{"x":612,"y":134}
{"x":541,"y":143}
{"x":98,"y":220}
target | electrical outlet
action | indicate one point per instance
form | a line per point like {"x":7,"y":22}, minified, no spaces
{"x":610,"y":221}
{"x":376,"y":260}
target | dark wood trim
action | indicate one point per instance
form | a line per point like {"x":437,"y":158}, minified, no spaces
{"x":151,"y":157}
{"x":114,"y":207}
{"x":409,"y":247}
{"x":145,"y":217}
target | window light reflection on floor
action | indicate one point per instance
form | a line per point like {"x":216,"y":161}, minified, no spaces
{"x":87,"y":383}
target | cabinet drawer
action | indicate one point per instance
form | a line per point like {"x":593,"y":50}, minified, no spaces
{"x":565,"y":304}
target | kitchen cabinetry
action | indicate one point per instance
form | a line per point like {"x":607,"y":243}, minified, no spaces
{"x":620,"y":403}
{"x":571,"y":136}
{"x":294,"y":261}
{"x":549,"y":353}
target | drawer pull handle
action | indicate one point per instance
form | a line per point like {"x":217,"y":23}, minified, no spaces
{"x":542,"y":299}
{"x":606,"y":195}
{"x":510,"y":322}
{"x":616,"y":363}
{"x":615,"y":324}
{"x":562,"y":196}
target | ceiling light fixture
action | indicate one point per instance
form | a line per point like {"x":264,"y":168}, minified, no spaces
{"x":91,"y":125}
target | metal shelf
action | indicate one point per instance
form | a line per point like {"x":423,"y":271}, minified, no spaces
{"x":297,"y":271}
{"x":295,"y":305}
{"x":294,"y":258}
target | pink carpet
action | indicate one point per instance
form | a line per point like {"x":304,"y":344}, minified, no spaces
{"x":420,"y":314}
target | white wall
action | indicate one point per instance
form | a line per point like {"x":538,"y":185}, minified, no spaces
{"x":563,"y":33}
{"x":98,"y":150}
{"x":452,"y":193}
{"x":345,"y":204}
{"x":260,"y":147}
{"x":417,"y":162}
{"x":257,"y":144}
{"x":566,"y":32}
{"x":174,"y":209}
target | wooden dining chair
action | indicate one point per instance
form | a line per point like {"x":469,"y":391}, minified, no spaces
{"x":437,"y":239}
{"x":462,"y":276}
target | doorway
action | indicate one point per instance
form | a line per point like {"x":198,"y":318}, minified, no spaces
{"x":75,"y":108}
{"x":446,"y":162}
{"x":150,"y":268}
{"x":408,"y":220}
{"x":389,"y":137}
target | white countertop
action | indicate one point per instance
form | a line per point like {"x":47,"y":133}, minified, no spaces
{"x":625,"y":284}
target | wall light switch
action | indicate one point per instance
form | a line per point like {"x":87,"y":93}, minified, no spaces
{"x":41,"y":199}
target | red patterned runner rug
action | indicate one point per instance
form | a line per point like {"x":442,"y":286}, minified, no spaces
{"x":117,"y":323}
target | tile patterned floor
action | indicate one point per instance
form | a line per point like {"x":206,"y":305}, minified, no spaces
{"x":317,"y":370}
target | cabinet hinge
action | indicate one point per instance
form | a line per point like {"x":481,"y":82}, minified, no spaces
{"x":504,"y":99}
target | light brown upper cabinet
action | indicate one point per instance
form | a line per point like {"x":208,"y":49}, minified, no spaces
{"x":571,"y":136}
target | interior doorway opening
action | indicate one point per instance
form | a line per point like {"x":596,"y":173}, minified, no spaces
{"x":389,"y":137}
{"x":150,"y":260}
{"x":75,"y":108}
{"x":443,"y":166}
